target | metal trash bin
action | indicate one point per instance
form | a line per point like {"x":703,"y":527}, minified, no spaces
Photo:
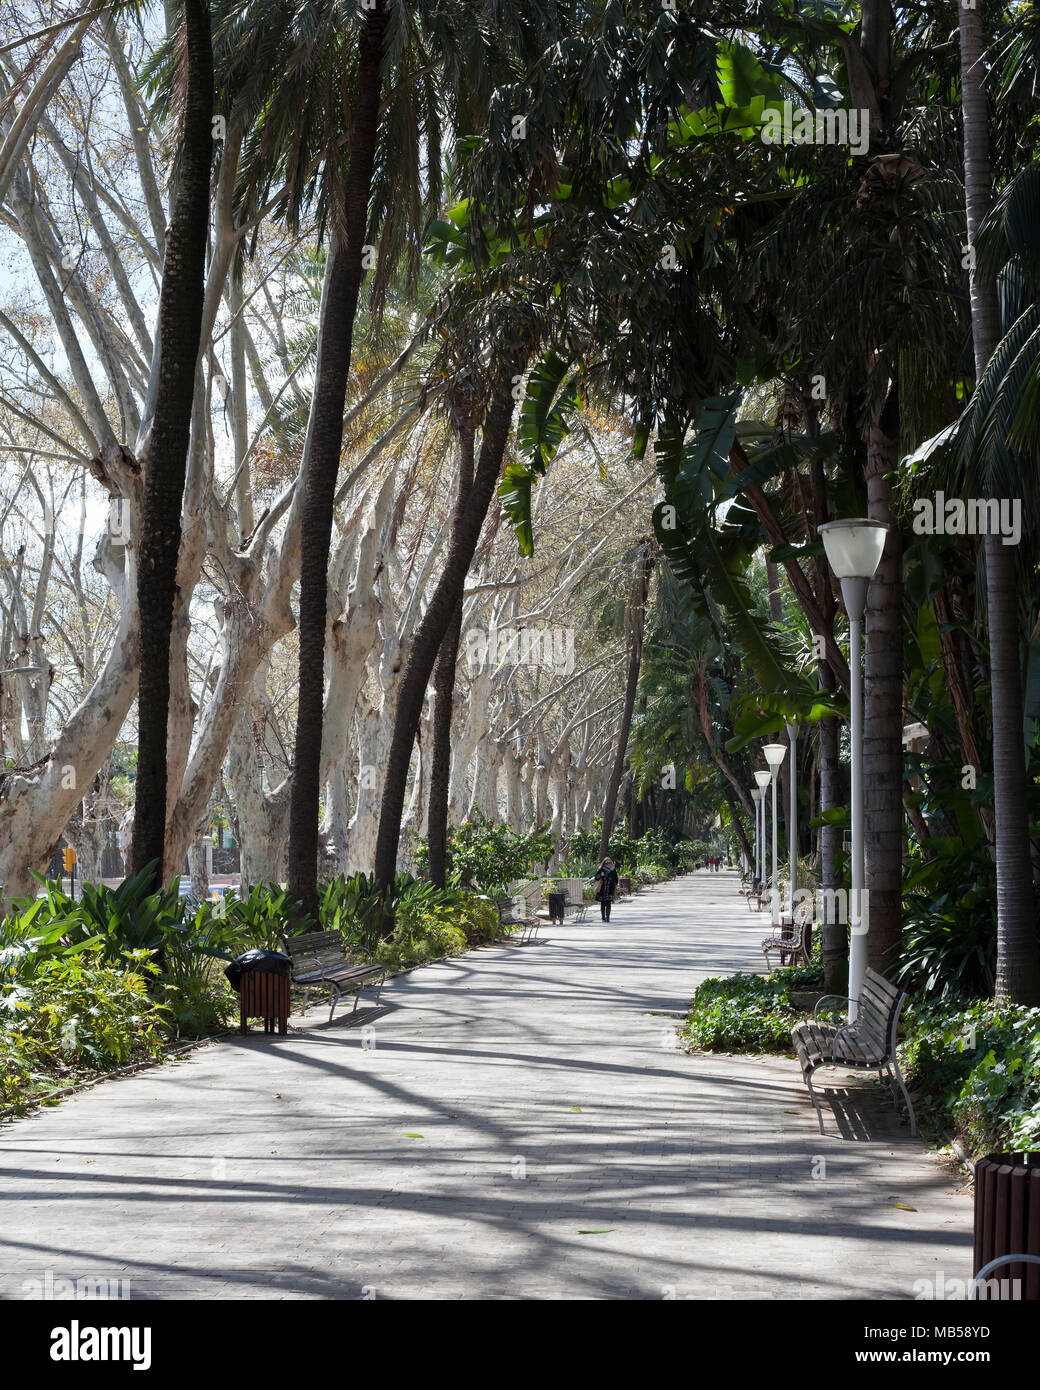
{"x":262,"y":981}
{"x":1007,"y":1222}
{"x":557,"y":907}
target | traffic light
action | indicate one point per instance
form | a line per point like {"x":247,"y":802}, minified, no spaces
{"x":68,"y":859}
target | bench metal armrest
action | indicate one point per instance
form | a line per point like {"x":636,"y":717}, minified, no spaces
{"x":844,"y":998}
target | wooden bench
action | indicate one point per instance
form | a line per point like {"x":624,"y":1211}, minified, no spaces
{"x":756,"y":895}
{"x":579,"y":907}
{"x":509,"y":917}
{"x":319,"y":960}
{"x":868,"y":1044}
{"x":573,"y":888}
{"x":794,"y":947}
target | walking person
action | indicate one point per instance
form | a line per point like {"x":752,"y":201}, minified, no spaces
{"x":607,"y":878}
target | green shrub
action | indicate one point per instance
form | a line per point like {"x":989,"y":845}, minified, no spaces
{"x":487,"y":855}
{"x":440,"y":922}
{"x":651,"y":871}
{"x":80,"y":1012}
{"x":748,"y":1013}
{"x":975,"y":1068}
{"x":125,"y":918}
{"x":949,"y":943}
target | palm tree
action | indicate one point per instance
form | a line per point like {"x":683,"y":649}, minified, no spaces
{"x":165,"y":450}
{"x":635,"y":615}
{"x":404,"y":74}
{"x":1018,"y":956}
{"x":444,"y":686}
{"x":510,"y":359}
{"x":344,"y":274}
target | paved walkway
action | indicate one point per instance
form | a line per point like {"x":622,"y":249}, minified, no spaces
{"x":515,"y":1123}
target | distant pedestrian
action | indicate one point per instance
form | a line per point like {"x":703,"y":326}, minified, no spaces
{"x":607,"y":878}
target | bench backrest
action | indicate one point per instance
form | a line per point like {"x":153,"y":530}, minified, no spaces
{"x":532,"y":895}
{"x":315,"y":950}
{"x":877,"y":1017}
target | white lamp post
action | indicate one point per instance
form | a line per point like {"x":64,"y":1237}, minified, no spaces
{"x":792,"y":734}
{"x":854,"y":549}
{"x":774,"y":755}
{"x":756,"y":797}
{"x":763,"y":777}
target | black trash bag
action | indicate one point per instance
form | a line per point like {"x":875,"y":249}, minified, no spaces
{"x":266,"y":962}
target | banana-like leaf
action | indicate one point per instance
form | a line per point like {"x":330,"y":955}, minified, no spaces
{"x":696,"y":559}
{"x":551,"y":400}
{"x":763,"y":714}
{"x":773,"y":461}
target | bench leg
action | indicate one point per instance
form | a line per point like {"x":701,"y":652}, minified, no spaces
{"x":812,"y":1097}
{"x":906,"y":1094}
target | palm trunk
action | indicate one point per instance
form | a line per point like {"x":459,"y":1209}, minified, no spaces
{"x":635,"y":660}
{"x":1018,"y":955}
{"x":343,"y":278}
{"x":738,"y":825}
{"x":834,"y":936}
{"x":179,"y":329}
{"x":427,"y":641}
{"x":883,"y":703}
{"x":444,"y":692}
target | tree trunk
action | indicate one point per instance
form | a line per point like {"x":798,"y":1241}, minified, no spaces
{"x":638,"y":616}
{"x":1018,"y":955}
{"x":444,"y":691}
{"x":738,"y":825}
{"x":427,"y":641}
{"x":344,"y":275}
{"x":179,"y":328}
{"x":883,"y":703}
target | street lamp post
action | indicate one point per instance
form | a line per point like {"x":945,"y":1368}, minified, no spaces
{"x":763,"y":777}
{"x":756,"y":797}
{"x":792,"y":734}
{"x":854,"y":548}
{"x":774,"y":755}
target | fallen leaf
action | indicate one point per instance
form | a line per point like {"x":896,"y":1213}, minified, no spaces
{"x":575,"y":1107}
{"x":600,"y":1231}
{"x":903,"y":1206}
{"x":412,"y":1136}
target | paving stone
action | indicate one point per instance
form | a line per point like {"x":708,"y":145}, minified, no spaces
{"x":281,"y":1168}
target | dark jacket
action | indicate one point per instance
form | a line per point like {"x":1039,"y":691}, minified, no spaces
{"x":608,"y":887}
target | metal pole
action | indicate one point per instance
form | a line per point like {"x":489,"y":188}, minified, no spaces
{"x":858,"y":941}
{"x":758,"y":807}
{"x":792,"y":734}
{"x":775,"y":897}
